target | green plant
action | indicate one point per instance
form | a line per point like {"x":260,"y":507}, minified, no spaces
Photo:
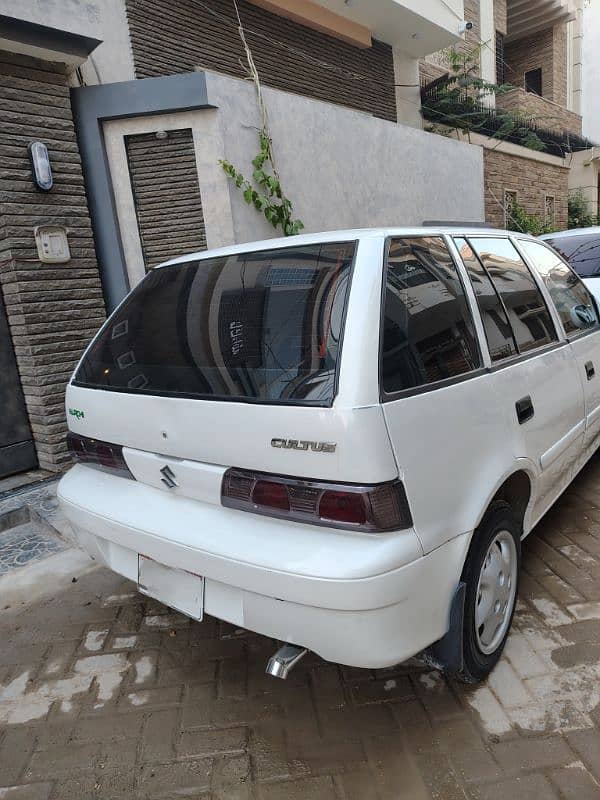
{"x":517,"y":219}
{"x":580,"y":215}
{"x":269,"y":199}
{"x":264,"y":191}
{"x":460,"y":98}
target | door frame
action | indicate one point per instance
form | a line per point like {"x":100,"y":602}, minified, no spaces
{"x":214,"y":188}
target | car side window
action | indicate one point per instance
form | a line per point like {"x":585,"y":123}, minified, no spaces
{"x":428,"y":333}
{"x":499,"y":335}
{"x":572,"y":300}
{"x":527,"y":312}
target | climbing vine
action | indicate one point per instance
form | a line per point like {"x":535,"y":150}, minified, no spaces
{"x":264,"y":191}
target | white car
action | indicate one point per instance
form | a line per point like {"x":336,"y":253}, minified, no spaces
{"x":580,"y":247}
{"x":338,"y":440}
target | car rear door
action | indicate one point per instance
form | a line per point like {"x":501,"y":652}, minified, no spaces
{"x":533,"y":370}
{"x":579,"y":319}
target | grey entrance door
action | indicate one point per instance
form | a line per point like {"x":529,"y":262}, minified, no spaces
{"x":17,"y":452}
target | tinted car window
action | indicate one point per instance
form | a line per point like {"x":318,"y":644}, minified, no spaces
{"x":428,"y":332}
{"x":581,"y":251}
{"x":572,"y":300}
{"x":528,"y":315}
{"x":262,"y":326}
{"x":498,"y":332}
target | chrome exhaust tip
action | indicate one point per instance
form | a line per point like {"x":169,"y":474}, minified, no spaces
{"x":285,"y":659}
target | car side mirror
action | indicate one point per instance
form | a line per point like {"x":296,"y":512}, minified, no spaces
{"x":582,"y":316}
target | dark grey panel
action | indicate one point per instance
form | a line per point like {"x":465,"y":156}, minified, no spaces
{"x":14,"y":424}
{"x":62,"y":42}
{"x":17,"y":458}
{"x":92,"y":105}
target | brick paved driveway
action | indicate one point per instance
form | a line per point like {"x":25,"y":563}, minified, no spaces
{"x":106,"y":695}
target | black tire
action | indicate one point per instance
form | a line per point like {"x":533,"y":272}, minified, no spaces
{"x":477,"y":664}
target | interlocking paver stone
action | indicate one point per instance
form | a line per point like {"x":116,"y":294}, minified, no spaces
{"x":107,"y":695}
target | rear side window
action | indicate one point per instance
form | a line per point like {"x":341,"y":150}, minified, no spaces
{"x":498,"y":333}
{"x":572,"y":300}
{"x":527,"y":312}
{"x":263,"y":327}
{"x":428,"y":332}
{"x":582,"y":251}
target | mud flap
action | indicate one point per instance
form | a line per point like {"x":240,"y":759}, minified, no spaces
{"x":447,"y":653}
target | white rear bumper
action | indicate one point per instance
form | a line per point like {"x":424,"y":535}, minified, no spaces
{"x":357,"y":599}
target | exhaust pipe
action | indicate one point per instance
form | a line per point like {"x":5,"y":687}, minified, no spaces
{"x":285,"y":659}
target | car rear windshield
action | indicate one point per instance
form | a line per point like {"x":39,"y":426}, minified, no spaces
{"x":258,"y":327}
{"x":581,"y":251}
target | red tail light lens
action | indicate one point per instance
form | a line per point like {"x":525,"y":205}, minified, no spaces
{"x":95,"y":453}
{"x":271,"y":495}
{"x":382,"y":507}
{"x":343,"y":507}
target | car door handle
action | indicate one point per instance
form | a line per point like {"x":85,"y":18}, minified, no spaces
{"x":589,"y":370}
{"x":524,"y":408}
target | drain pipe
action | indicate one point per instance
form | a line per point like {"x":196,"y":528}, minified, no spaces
{"x":285,"y":659}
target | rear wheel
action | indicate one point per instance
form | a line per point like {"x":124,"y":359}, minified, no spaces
{"x":491,"y":575}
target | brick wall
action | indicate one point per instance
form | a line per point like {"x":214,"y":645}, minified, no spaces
{"x":500,"y":16}
{"x":183,"y":35}
{"x":53,"y":309}
{"x":164,"y":180}
{"x":531,"y":180}
{"x":546,"y":49}
{"x":435,"y":65}
{"x":544,"y":112}
{"x":559,"y":65}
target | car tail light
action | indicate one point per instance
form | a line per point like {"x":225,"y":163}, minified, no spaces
{"x":95,"y":453}
{"x":379,"y":507}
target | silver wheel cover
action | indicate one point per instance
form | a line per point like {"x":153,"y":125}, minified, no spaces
{"x":496,"y":590}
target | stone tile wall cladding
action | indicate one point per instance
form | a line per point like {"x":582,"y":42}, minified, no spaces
{"x":435,"y":65}
{"x":53,"y":309}
{"x":531,"y":180}
{"x":500,"y":16}
{"x":167,"y":199}
{"x":544,"y":112}
{"x":183,"y":35}
{"x":546,"y":50}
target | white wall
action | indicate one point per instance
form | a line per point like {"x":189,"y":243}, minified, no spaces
{"x":346,"y":169}
{"x":591,"y":70}
{"x":101,"y":19}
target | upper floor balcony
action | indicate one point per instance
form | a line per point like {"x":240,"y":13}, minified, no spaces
{"x":526,"y":17}
{"x":416,"y":27}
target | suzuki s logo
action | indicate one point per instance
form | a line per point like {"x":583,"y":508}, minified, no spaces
{"x":301,"y":444}
{"x":168,"y":477}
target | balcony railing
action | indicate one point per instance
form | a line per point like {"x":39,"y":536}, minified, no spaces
{"x":459,"y":110}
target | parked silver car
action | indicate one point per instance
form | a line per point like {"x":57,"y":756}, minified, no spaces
{"x":581,"y":248}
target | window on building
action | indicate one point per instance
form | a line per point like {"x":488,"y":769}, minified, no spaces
{"x":533,"y":81}
{"x":510,"y":201}
{"x":527,"y":312}
{"x":498,"y":333}
{"x":572,"y":300}
{"x":428,"y":332}
{"x":500,"y":64}
{"x":549,"y":210}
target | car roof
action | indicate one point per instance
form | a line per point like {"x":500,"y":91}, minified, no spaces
{"x":595,"y":229}
{"x":469,"y":229}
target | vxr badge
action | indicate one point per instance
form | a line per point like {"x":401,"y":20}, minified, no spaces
{"x":168,"y":477}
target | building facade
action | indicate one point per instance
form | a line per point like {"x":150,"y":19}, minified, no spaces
{"x":137,"y":101}
{"x":533,"y":51}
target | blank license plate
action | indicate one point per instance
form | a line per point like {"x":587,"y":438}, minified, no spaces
{"x":176,"y":588}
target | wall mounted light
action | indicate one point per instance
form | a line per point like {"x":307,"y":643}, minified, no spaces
{"x":40,"y":164}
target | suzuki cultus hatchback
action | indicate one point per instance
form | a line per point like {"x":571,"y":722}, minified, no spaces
{"x":338,"y":440}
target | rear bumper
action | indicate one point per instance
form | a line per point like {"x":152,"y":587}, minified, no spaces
{"x":331,"y":591}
